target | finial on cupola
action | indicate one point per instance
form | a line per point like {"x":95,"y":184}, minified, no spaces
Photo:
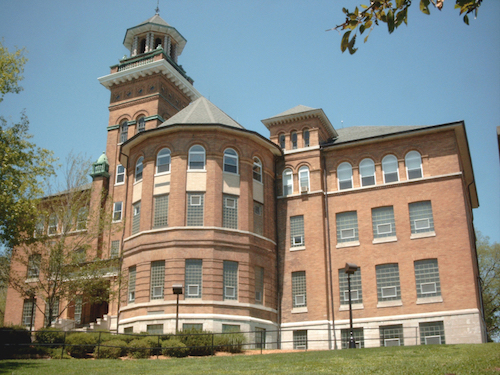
{"x":157,"y":10}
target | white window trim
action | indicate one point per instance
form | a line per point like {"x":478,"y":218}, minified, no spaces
{"x":188,"y":287}
{"x":387,"y":232}
{"x":116,"y":176}
{"x":422,"y":289}
{"x":392,"y":340}
{"x":131,"y":296}
{"x":389,"y":287}
{"x":198,"y":153}
{"x":423,"y":219}
{"x":347,"y":229}
{"x":227,"y":200}
{"x":114,"y":211}
{"x":397,"y":170}
{"x":346,"y":295}
{"x":288,"y":172}
{"x":300,"y":304}
{"x":158,"y":289}
{"x":227,"y":288}
{"x":191,"y":200}
{"x":230,"y":156}
{"x":433,"y":337}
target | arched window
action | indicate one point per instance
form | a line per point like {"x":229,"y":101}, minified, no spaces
{"x":287,"y":182}
{"x":123,"y":131}
{"x":304,"y":179}
{"x":294,"y":140}
{"x":196,"y":158}
{"x":138,"y":169}
{"x":230,"y":161}
{"x":157,"y":42}
{"x":344,"y":175}
{"x":257,"y":169}
{"x":390,"y":168}
{"x":305,"y":137}
{"x":282,"y":141}
{"x":367,"y":172}
{"x":413,"y":162}
{"x":141,"y":124}
{"x":163,"y":161}
{"x":142,"y":46}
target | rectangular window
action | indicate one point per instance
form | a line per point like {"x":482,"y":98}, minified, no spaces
{"x":230,"y":212}
{"x":115,"y":249}
{"x":347,"y":227}
{"x":128,"y":330}
{"x":299,"y":293}
{"x":193,"y":278}
{"x":356,"y":292}
{"x":427,"y":278}
{"x":192,"y":327}
{"x":258,"y":218}
{"x":358,"y":335}
{"x":421,"y":220}
{"x":300,"y":339}
{"x":391,"y":335}
{"x":157,"y":279}
{"x":297,"y":231}
{"x":78,"y":310}
{"x":195,"y":209}
{"x":154,"y":329}
{"x":136,"y":217}
{"x":383,"y":222}
{"x":34,"y":262}
{"x":27,"y":310}
{"x":117,"y":211}
{"x":388,"y":288}
{"x":55,"y":312}
{"x":120,"y":174}
{"x":228,"y":328}
{"x":431,"y":333}
{"x":161,"y":211}
{"x":131,"y":283}
{"x":230,"y":280}
{"x":259,"y":285}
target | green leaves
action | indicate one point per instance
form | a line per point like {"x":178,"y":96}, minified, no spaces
{"x":424,"y":6}
{"x":11,"y":69}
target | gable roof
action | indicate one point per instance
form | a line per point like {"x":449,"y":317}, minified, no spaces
{"x":356,"y":133}
{"x":201,"y":111}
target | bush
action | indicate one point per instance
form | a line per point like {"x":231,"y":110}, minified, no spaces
{"x":198,"y":342}
{"x":112,"y":349}
{"x":140,"y":348}
{"x":55,"y":353}
{"x":174,"y":348}
{"x":81,"y":344}
{"x":14,"y":341}
{"x":50,"y":337}
{"x":230,"y":342}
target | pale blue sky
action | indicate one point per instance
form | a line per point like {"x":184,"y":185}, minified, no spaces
{"x":255,"y":59}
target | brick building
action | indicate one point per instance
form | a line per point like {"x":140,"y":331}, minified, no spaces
{"x":258,"y":230}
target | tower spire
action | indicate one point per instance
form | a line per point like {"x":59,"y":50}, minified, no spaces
{"x":157,"y":10}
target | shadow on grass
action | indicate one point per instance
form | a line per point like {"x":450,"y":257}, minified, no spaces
{"x":8,"y":366}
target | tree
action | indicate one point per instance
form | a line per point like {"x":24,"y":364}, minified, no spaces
{"x":11,"y":69}
{"x":63,"y":260}
{"x":489,"y":270}
{"x":393,"y":13}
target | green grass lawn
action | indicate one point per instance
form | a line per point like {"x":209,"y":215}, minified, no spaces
{"x":435,"y":359}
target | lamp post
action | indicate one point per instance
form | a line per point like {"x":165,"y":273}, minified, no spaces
{"x":350,"y":268}
{"x":177,"y":289}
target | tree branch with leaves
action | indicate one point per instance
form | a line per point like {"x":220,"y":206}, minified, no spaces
{"x":393,"y":13}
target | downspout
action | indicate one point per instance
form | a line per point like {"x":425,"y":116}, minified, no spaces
{"x":278,"y":290}
{"x":121,"y":250}
{"x":329,"y":250}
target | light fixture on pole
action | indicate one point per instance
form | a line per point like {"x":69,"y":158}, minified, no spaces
{"x":177,"y":289}
{"x":350,"y":268}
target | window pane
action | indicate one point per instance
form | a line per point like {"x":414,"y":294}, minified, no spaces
{"x":157,"y":279}
{"x":388,"y":288}
{"x":344,"y":175}
{"x":304,"y":179}
{"x":120,"y":174}
{"x":427,"y":278}
{"x":195,"y":209}
{"x":356,"y":291}
{"x":259,"y":285}
{"x":27,"y":309}
{"x":421,"y":219}
{"x":347,"y":227}
{"x":138,"y":169}
{"x":287,"y":182}
{"x":299,"y":293}
{"x":163,"y":161}
{"x":383,"y":222}
{"x":115,"y":249}
{"x":358,"y":335}
{"x":258,"y":218}
{"x":391,"y":335}
{"x":257,"y":170}
{"x":161,"y":211}
{"x":131,"y":283}
{"x":230,"y":212}
{"x":193,"y":278}
{"x":297,"y":231}
{"x":300,"y":339}
{"x":367,"y":172}
{"x":390,"y":168}
{"x":117,"y":211}
{"x":196,"y":157}
{"x":136,"y":217}
{"x":413,"y":162}
{"x":432,"y":333}
{"x":230,"y":280}
{"x":230,"y":161}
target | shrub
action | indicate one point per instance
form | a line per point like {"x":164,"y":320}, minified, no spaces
{"x":80,"y":344}
{"x":14,"y":341}
{"x":230,"y":342}
{"x":174,"y":348}
{"x":50,"y":337}
{"x":111,"y":349}
{"x":55,"y":353}
{"x":140,"y":348}
{"x":198,"y":342}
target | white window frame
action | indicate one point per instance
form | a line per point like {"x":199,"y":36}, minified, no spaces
{"x":288,"y":188}
{"x":141,"y":124}
{"x":396,"y":339}
{"x":192,"y":202}
{"x":53,"y":229}
{"x":343,"y":168}
{"x":384,"y":224}
{"x":365,"y":164}
{"x":432,"y":337}
{"x":188,"y":290}
{"x":389,"y":287}
{"x":419,"y":220}
{"x":410,"y":157}
{"x":347,"y":237}
{"x":428,"y":292}
{"x":227,"y":288}
{"x":230,"y":155}
{"x":139,"y":169}
{"x":197,"y":150}
{"x":164,"y":153}
{"x":118,"y":174}
{"x":227,"y":201}
{"x":297,"y":300}
{"x":304,"y":176}
{"x":354,"y":295}
{"x":115,"y":211}
{"x":387,"y":161}
{"x":257,"y":169}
